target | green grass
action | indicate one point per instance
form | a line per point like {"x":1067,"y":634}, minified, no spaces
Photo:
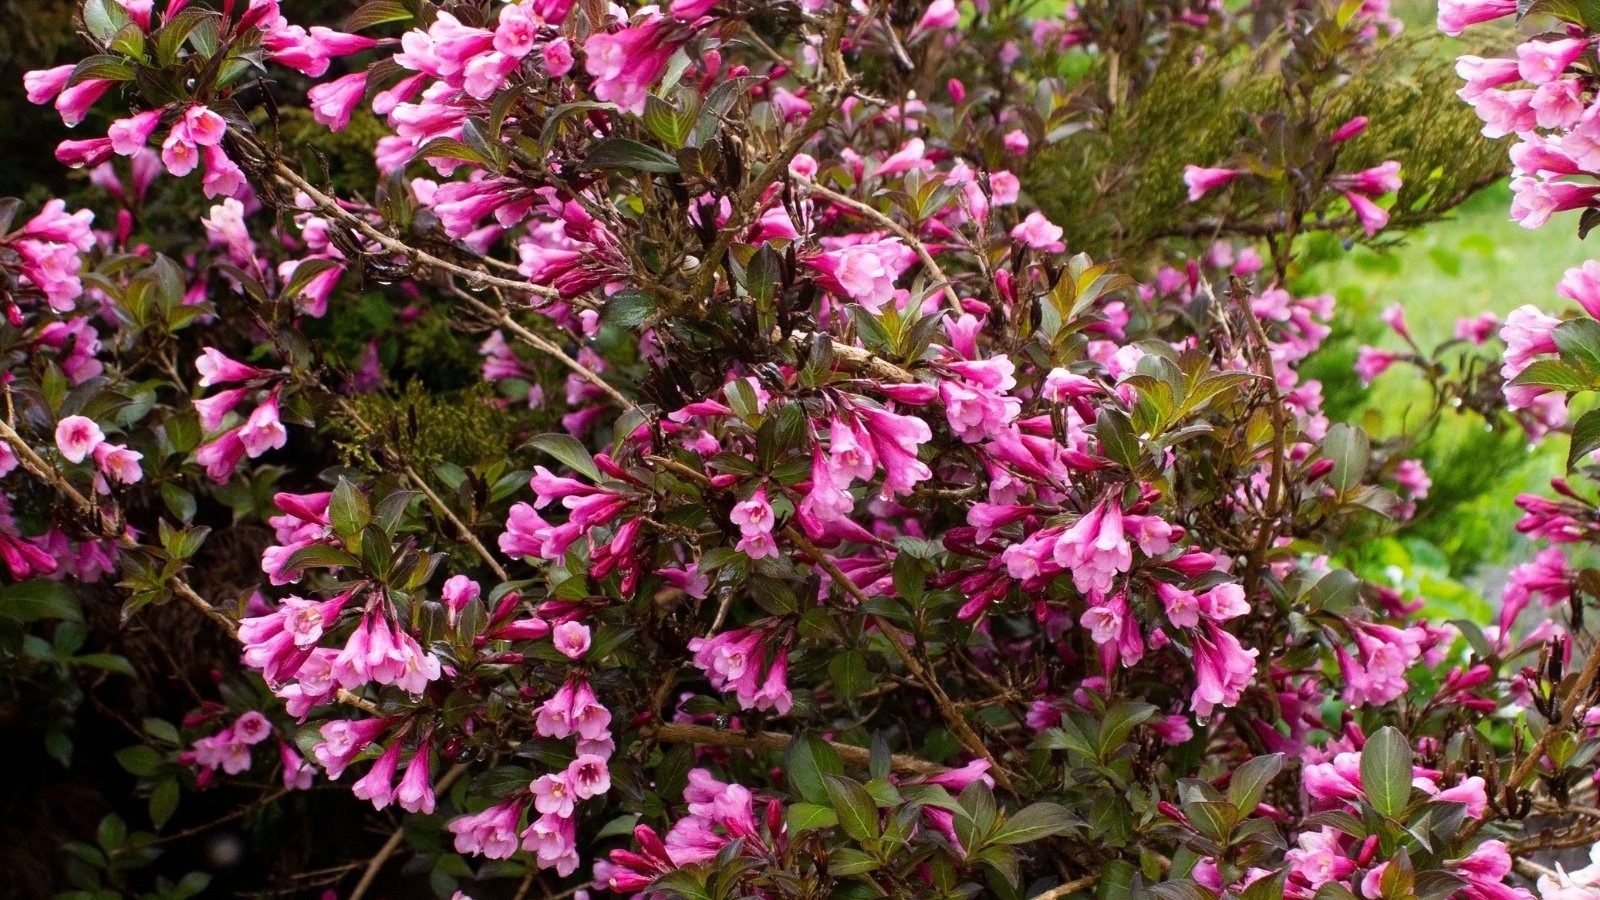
{"x":1478,"y":260}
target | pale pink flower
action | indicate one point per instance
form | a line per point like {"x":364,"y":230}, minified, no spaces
{"x":77,"y":437}
{"x":571,"y":638}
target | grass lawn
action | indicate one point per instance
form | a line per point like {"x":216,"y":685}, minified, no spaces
{"x":1478,"y":260}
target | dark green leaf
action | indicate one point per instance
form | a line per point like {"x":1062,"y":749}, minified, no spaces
{"x":808,"y":760}
{"x":858,"y":814}
{"x":376,"y":12}
{"x":568,"y":450}
{"x":1035,"y":822}
{"x":1250,"y":781}
{"x":348,"y":512}
{"x":1349,"y":449}
{"x":622,"y":153}
{"x":627,"y":308}
{"x":1386,"y":771}
{"x":1585,"y":437}
{"x":809,"y":817}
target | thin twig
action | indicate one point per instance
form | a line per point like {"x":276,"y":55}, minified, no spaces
{"x":903,"y":232}
{"x":1070,"y":888}
{"x":104,"y":525}
{"x":461,"y":527}
{"x":1569,"y":707}
{"x":859,"y":361}
{"x":331,"y":207}
{"x":396,"y":837}
{"x":706,"y":736}
{"x":544,"y":345}
{"x":953,"y":716}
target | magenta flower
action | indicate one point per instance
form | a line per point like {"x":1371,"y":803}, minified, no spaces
{"x":491,"y":833}
{"x":1455,"y":15}
{"x":1202,"y":180}
{"x":625,"y":63}
{"x":1539,"y":62}
{"x":552,"y":795}
{"x":415,"y":791}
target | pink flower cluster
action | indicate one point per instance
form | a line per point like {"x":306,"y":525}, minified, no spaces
{"x":260,"y":432}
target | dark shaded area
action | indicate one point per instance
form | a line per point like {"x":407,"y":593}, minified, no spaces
{"x":34,"y":34}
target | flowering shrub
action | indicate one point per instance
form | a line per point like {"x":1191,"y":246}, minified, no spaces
{"x":816,"y":520}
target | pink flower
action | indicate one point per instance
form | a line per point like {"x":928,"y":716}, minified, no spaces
{"x":457,"y":592}
{"x":415,"y":792}
{"x":1413,"y":478}
{"x":118,"y":462}
{"x":517,"y":31}
{"x":82,"y":154}
{"x":1373,"y":217}
{"x":939,"y":14}
{"x":1348,"y":130}
{"x":180,"y":154}
{"x":1534,"y":202}
{"x":262,"y":431}
{"x":571,"y":638}
{"x":1202,"y":180}
{"x":861,"y":272}
{"x":1482,"y":74}
{"x":1582,"y":285}
{"x":1528,"y":333}
{"x":896,"y":438}
{"x":1376,"y":181}
{"x":1095,"y":549}
{"x":1539,"y":62}
{"x":1223,"y":669}
{"x":1372,"y":362}
{"x":753,"y":516}
{"x":1039,"y":233}
{"x":333,"y":101}
{"x":297,"y":773}
{"x":552,"y":795}
{"x":43,"y":85}
{"x":625,"y":63}
{"x":491,"y":833}
{"x":77,"y":437}
{"x":128,"y":136}
{"x":1478,"y":328}
{"x":221,"y":456}
{"x":252,"y":728}
{"x":588,"y":776}
{"x":204,"y":127}
{"x":1454,"y":15}
{"x":73,"y":103}
{"x":223,"y":177}
{"x":550,"y":839}
{"x":215,"y":408}
{"x":343,"y":740}
{"x":557,"y":57}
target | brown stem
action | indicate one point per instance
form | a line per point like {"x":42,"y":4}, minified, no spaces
{"x":104,"y":525}
{"x":460,"y":526}
{"x":903,"y":232}
{"x":706,"y":736}
{"x":894,"y":635}
{"x":861,"y":362}
{"x":399,"y":834}
{"x":544,"y":345}
{"x":1070,"y":888}
{"x":331,"y":207}
{"x":1569,"y":707}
